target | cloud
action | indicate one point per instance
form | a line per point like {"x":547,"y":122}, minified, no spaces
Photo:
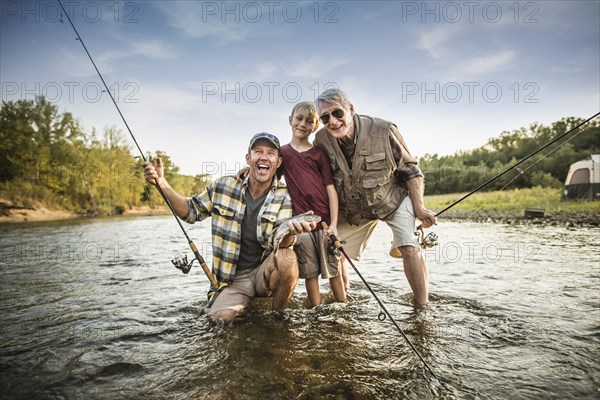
{"x":435,"y":41}
{"x":70,"y":60}
{"x":488,"y":64}
{"x":267,"y":69}
{"x":155,"y":49}
{"x":278,"y":71}
{"x":195,"y":20}
{"x":315,"y":67}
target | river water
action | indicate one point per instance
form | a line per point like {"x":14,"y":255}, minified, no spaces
{"x":94,"y":309}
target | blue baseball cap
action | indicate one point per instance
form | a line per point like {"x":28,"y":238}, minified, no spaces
{"x":264,"y":135}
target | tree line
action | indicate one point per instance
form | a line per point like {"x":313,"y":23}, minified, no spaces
{"x":466,"y":170}
{"x":46,"y":158}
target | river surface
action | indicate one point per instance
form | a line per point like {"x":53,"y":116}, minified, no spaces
{"x":95,"y":309}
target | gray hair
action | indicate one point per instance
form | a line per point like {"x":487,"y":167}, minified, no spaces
{"x":334,"y":96}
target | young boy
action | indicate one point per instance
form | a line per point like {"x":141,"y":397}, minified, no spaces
{"x":310,"y":184}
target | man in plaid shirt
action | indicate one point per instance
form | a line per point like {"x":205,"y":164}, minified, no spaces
{"x":244,"y":216}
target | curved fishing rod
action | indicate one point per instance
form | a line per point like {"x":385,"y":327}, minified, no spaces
{"x":184,"y":267}
{"x":515,"y":165}
{"x":430,"y":240}
{"x":338,"y":245}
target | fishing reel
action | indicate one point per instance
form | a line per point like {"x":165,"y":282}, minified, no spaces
{"x":180,"y":261}
{"x":426,"y":241}
{"x":334,"y":250}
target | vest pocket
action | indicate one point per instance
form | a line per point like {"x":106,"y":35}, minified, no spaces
{"x":370,"y":183}
{"x":373,"y":190}
{"x":375,"y":162}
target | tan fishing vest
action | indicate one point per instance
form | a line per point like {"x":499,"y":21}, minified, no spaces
{"x":369,"y":189}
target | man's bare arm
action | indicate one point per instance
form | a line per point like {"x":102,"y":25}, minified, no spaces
{"x":155,"y":176}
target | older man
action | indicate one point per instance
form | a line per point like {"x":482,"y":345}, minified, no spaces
{"x":376,"y":179}
{"x":244,"y":217}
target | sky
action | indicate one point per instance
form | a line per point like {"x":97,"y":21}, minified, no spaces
{"x":197,"y":79}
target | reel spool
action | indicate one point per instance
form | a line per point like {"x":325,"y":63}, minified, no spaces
{"x":180,"y":262}
{"x":426,"y":241}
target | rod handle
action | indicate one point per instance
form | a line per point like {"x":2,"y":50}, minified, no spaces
{"x":336,"y":242}
{"x":207,"y":272}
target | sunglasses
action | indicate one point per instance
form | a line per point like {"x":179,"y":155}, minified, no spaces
{"x":338,"y":113}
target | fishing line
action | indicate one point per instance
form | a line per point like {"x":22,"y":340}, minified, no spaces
{"x":516,"y":164}
{"x":522,"y":171}
{"x":197,"y":255}
{"x":338,"y":245}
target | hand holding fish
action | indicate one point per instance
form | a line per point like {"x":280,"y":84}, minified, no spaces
{"x":294,"y":226}
{"x":298,"y":226}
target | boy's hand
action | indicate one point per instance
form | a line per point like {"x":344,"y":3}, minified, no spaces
{"x":332,"y":229}
{"x":242,"y":173}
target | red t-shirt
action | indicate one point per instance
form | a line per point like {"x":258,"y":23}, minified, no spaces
{"x":306,"y":175}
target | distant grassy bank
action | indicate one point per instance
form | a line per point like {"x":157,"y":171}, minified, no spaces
{"x":508,"y":206}
{"x":511,"y":205}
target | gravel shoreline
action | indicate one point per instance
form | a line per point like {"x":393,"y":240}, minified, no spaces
{"x":560,"y":218}
{"x":14,"y":214}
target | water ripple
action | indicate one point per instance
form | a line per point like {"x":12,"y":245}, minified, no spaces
{"x":94,"y":309}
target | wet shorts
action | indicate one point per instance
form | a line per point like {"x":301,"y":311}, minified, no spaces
{"x":246,"y":285}
{"x":313,"y":256}
{"x":401,"y":221}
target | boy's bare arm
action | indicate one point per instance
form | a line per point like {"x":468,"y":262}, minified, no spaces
{"x":242,"y":173}
{"x":333,"y":207}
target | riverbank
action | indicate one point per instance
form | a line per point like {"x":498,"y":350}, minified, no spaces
{"x":536,"y":206}
{"x":492,"y":207}
{"x":10,"y":213}
{"x":559,"y":218}
{"x":17,"y":213}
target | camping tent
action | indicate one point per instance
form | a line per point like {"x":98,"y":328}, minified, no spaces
{"x":583,"y":179}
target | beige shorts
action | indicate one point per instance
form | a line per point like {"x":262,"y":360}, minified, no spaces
{"x":401,"y":221}
{"x":246,"y":285}
{"x":313,"y":256}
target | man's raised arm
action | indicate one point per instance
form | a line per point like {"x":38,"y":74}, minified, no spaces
{"x":155,"y":176}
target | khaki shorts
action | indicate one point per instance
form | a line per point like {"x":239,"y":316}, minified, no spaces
{"x":401,"y":221}
{"x":246,"y":285}
{"x":313,"y":256}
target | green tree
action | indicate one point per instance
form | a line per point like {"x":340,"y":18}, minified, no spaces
{"x":466,"y":170}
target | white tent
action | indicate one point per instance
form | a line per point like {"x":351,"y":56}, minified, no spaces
{"x":583,"y":179}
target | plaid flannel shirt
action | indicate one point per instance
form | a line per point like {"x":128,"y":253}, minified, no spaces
{"x":224,"y":201}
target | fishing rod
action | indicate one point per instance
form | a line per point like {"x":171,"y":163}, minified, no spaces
{"x":516,"y":164}
{"x":339,"y":246}
{"x":180,"y":262}
{"x":431,"y":239}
